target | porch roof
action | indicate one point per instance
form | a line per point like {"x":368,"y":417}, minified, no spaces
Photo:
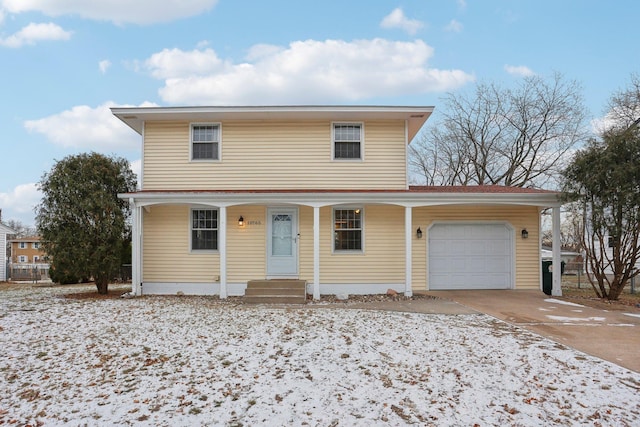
{"x":414,"y":196}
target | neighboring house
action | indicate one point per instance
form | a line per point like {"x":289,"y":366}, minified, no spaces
{"x":566,"y":256}
{"x":28,"y":261}
{"x":608,"y":251}
{"x":4,"y":230}
{"x":572,"y":260}
{"x":321,"y":194}
{"x":27,"y":250}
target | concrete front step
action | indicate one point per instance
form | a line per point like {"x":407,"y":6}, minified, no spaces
{"x":274,"y":299}
{"x":276,"y":291}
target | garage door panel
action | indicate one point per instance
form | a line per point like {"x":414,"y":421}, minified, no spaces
{"x":470,"y":256}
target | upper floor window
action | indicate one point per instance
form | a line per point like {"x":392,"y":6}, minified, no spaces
{"x":205,"y":142}
{"x":36,"y":258}
{"x":22,"y":258}
{"x":22,"y":245}
{"x":204,"y":229}
{"x":36,"y":245}
{"x":347,"y":229}
{"x":347,"y":141}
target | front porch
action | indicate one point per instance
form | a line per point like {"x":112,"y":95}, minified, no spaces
{"x":392,"y":254}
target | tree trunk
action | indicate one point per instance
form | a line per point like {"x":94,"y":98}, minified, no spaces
{"x":103,"y":286}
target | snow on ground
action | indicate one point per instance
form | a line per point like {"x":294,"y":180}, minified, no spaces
{"x":576,"y":319}
{"x":198,"y":361}
{"x":559,"y":301}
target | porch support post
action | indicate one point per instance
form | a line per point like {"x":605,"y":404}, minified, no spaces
{"x":136,"y":255}
{"x":408,"y":238}
{"x":222,"y":250}
{"x":556,"y":289}
{"x":316,"y":253}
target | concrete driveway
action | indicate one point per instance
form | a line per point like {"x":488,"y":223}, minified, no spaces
{"x":607,"y":334}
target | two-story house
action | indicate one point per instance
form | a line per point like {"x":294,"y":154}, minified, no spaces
{"x":28,"y":260}
{"x":321,"y":194}
{"x":27,"y":250}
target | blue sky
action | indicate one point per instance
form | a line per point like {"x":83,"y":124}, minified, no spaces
{"x":63,"y":63}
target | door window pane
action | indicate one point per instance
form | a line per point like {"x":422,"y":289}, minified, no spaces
{"x":281,"y":235}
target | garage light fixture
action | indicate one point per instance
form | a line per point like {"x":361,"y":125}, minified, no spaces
{"x":240,"y":221}
{"x":419,"y":233}
{"x":524,"y":233}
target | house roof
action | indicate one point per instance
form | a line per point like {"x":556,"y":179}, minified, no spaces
{"x":26,"y":239}
{"x":6,"y":230}
{"x":413,"y":196}
{"x":416,"y":116}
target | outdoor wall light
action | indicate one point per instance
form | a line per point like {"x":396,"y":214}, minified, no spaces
{"x":419,"y":233}
{"x":240,"y":221}
{"x":524,"y":233}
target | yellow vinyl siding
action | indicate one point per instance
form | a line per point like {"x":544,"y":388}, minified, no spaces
{"x":246,"y":246}
{"x":167,"y":257}
{"x":274,"y":155}
{"x":382,"y":260}
{"x":527,"y":256}
{"x":305,"y":248}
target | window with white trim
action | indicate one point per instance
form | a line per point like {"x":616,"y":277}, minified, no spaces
{"x":23,"y":258}
{"x":347,"y":229}
{"x":22,"y":245}
{"x":205,"y":142}
{"x":36,"y":245}
{"x":347,"y":141}
{"x":204,"y":229}
{"x":36,"y":258}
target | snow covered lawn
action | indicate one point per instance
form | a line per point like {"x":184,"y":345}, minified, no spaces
{"x":198,"y":361}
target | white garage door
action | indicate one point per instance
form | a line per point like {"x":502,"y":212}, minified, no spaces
{"x":470,"y":256}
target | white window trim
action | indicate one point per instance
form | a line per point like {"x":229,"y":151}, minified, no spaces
{"x":333,"y":142}
{"x":360,"y":251}
{"x":203,"y":208}
{"x":22,"y":259}
{"x":219,"y":159}
{"x":35,"y":245}
{"x":22,"y":245}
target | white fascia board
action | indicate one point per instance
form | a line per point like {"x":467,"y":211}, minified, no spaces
{"x":134,"y":117}
{"x":320,"y":199}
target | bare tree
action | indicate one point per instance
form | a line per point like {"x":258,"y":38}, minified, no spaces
{"x":515,"y":137}
{"x":570,"y":230}
{"x":624,"y":108}
{"x":20,"y":229}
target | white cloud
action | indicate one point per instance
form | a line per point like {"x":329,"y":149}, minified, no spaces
{"x":87,"y":128}
{"x":614,"y":119}
{"x":462,"y":4}
{"x":454,"y":26}
{"x":310,"y":71}
{"x":136,"y":167}
{"x":18,"y":204}
{"x":104,"y":65}
{"x":397,"y":19}
{"x":117,"y":11}
{"x":175,"y":63}
{"x":33,"y":33}
{"x":519,"y":70}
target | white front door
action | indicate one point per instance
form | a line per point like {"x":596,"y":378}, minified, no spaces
{"x":282,"y":242}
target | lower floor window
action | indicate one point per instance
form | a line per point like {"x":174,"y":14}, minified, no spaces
{"x":204,"y":229}
{"x":347,"y":229}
